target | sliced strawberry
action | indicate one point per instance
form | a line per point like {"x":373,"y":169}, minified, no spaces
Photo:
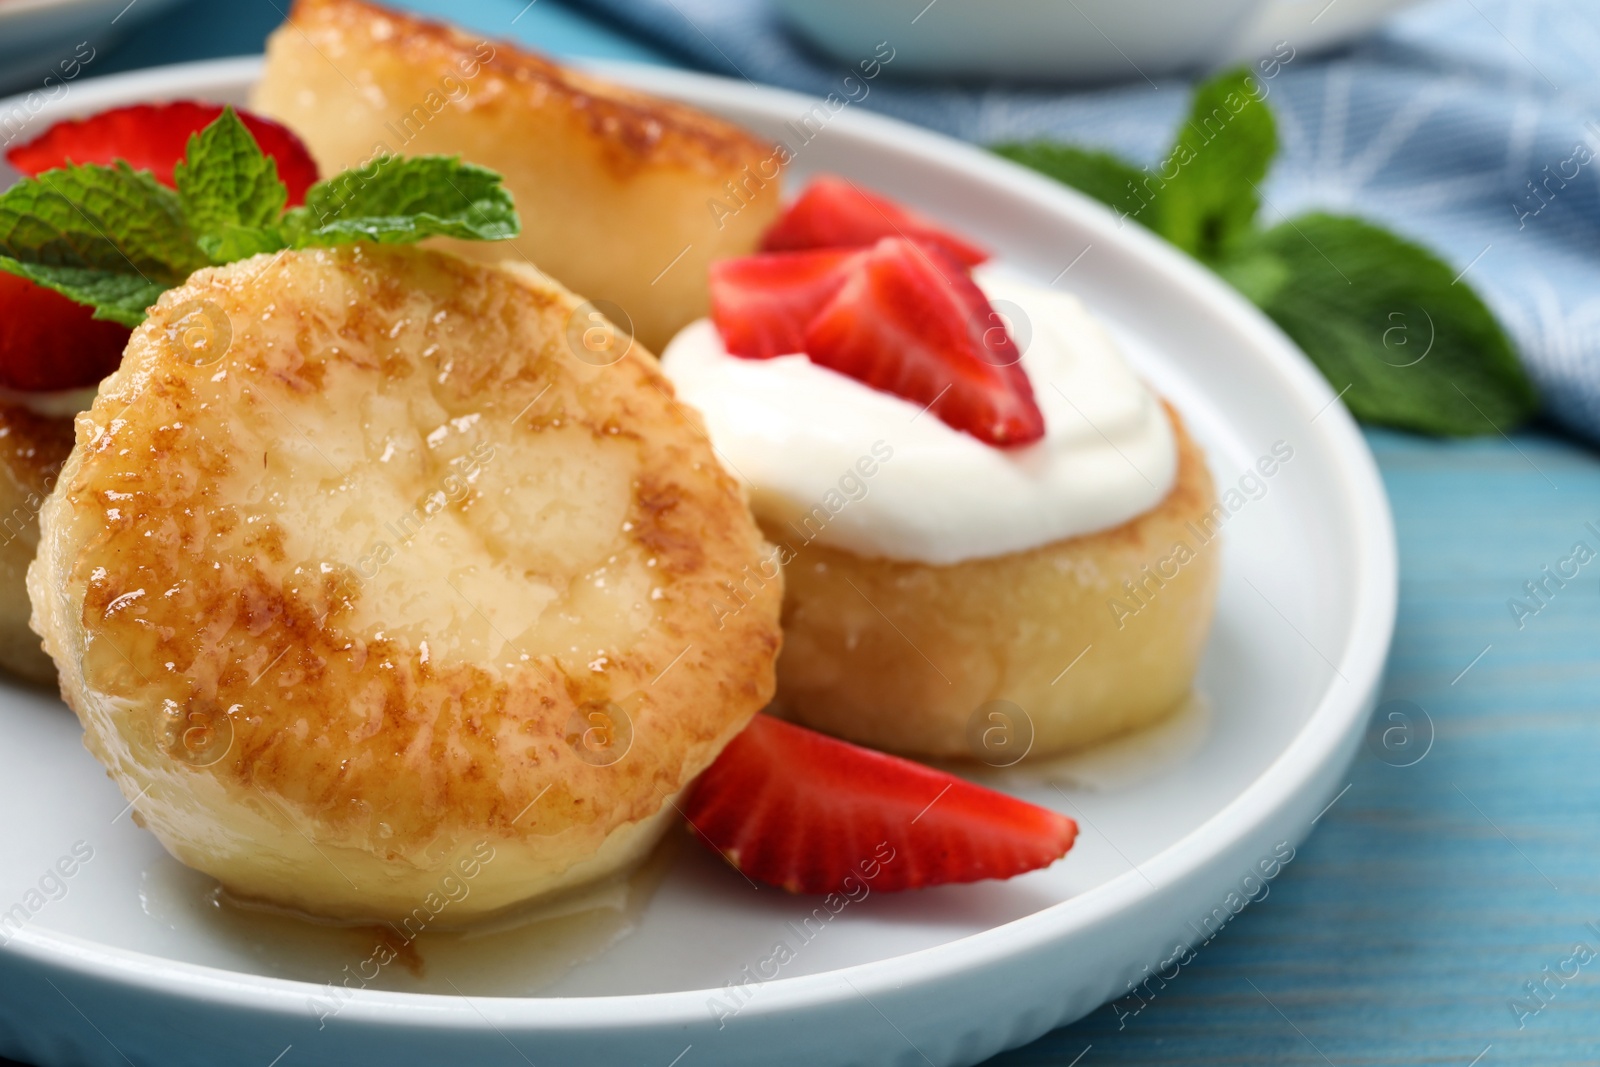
{"x":793,"y":808}
{"x":910,"y":321}
{"x":153,"y":137}
{"x":836,"y":213}
{"x":50,"y":342}
{"x":762,"y":304}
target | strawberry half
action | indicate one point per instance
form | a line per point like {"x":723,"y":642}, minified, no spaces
{"x":154,"y":137}
{"x":909,"y":320}
{"x":762,"y":304}
{"x":836,"y":213}
{"x":50,"y":342}
{"x":793,"y":808}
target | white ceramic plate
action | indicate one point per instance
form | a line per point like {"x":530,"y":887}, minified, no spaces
{"x":127,"y":958}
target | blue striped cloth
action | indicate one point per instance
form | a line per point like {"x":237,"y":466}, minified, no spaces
{"x":1467,"y":125}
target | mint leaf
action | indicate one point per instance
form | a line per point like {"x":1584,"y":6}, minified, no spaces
{"x":225,"y":181}
{"x":1256,"y":272}
{"x":240,"y":242}
{"x":1207,"y":185}
{"x":1202,"y":195}
{"x":396,"y":200}
{"x":109,"y":237}
{"x":1114,"y":182}
{"x":1381,"y":315}
{"x":1376,"y":313}
{"x":114,"y":296}
{"x":116,"y":239}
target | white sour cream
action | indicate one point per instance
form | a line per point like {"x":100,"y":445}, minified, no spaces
{"x":829,"y":459}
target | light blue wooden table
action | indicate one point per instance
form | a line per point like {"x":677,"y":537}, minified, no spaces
{"x":1429,"y":895}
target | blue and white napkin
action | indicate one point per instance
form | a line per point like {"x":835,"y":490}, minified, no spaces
{"x":1472,"y":126}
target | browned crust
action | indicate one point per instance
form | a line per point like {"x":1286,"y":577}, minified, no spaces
{"x":183,"y":608}
{"x":636,"y":129}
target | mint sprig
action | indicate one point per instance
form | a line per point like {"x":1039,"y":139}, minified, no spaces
{"x":1418,"y":349}
{"x":392,"y":200}
{"x":1381,"y":315}
{"x":116,"y":239}
{"x":226,"y":181}
{"x":109,"y":237}
{"x":1221,"y":156}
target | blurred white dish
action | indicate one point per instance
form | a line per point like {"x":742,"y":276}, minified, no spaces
{"x":1075,"y":40}
{"x":128,"y":959}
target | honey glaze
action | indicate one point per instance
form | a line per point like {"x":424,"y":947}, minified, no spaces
{"x":517,"y":953}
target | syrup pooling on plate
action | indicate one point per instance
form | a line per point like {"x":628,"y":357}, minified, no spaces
{"x":519,"y":953}
{"x":798,"y":432}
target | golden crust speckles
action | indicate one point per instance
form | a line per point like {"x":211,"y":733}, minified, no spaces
{"x":636,"y":129}
{"x":393,"y":544}
{"x":624,"y":197}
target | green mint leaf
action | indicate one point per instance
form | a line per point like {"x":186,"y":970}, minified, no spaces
{"x":1206,"y":187}
{"x":1257,"y":273}
{"x":114,"y":296}
{"x":226,"y":181}
{"x":1202,"y":195}
{"x":1385,"y":317}
{"x":232,"y":243}
{"x":1109,"y":179}
{"x":394,"y":199}
{"x":108,"y":237}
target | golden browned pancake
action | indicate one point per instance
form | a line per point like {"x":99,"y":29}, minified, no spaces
{"x":624,"y":197}
{"x":981,"y":658}
{"x":32,"y":450}
{"x":360,"y":579}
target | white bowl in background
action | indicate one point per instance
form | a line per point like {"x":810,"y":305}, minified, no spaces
{"x":1075,"y":40}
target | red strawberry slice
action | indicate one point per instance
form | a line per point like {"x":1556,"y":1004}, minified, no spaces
{"x":762,"y":304}
{"x":793,"y":808}
{"x":153,"y":137}
{"x":50,"y":342}
{"x":834,"y":212}
{"x":910,"y":321}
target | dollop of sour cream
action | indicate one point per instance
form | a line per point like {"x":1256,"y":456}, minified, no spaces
{"x":831,"y":460}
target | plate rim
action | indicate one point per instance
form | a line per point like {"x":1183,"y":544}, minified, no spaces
{"x":1294,"y":768}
